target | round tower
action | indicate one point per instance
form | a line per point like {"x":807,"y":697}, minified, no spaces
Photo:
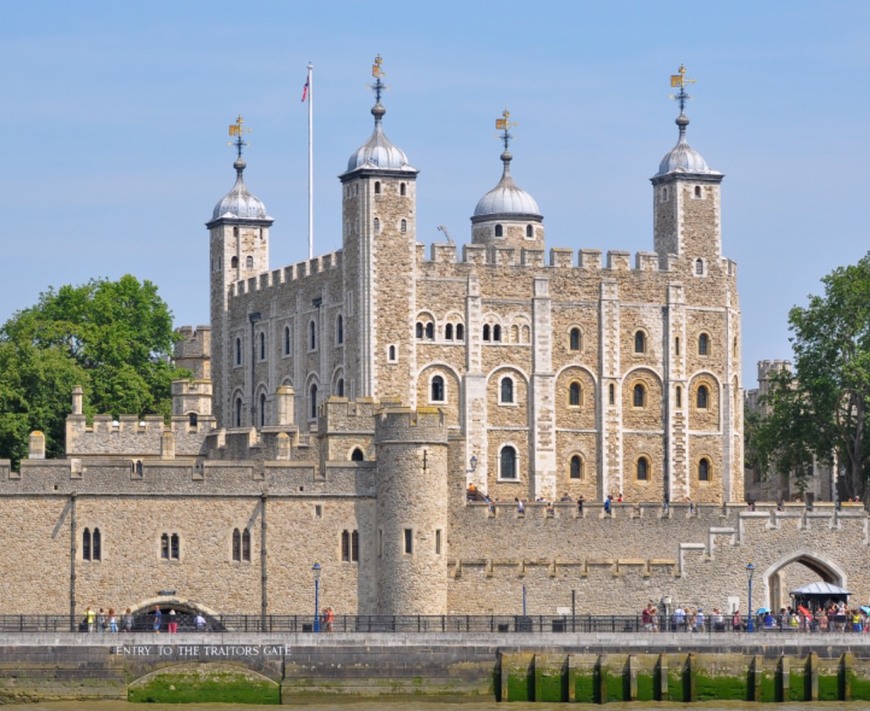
{"x":507,"y":216}
{"x":411,"y":512}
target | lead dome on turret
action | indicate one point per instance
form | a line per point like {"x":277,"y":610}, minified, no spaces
{"x":378,"y":152}
{"x":682,"y":158}
{"x":239,"y":202}
{"x":507,"y":198}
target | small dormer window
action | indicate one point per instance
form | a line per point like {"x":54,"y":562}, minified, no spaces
{"x":499,"y":231}
{"x":698,"y":191}
{"x":377,"y":187}
{"x":530,"y":232}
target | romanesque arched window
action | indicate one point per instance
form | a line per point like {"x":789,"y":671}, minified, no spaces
{"x":339,"y":387}
{"x":703,"y":344}
{"x":262,"y":409}
{"x":575,"y":394}
{"x":237,"y":544}
{"x":639,"y":395}
{"x":357,"y":455}
{"x":249,"y":262}
{"x":639,"y":342}
{"x":506,"y":394}
{"x":391,"y":354}
{"x":287,"y":342}
{"x":574,"y":339}
{"x":430,"y":331}
{"x":234,"y":262}
{"x":403,"y":226}
{"x":496,"y":333}
{"x":377,"y":226}
{"x":403,"y":189}
{"x":486,"y":332}
{"x":238,"y":412}
{"x":529,"y":232}
{"x":339,"y":330}
{"x":507,"y":463}
{"x":418,"y":330}
{"x":704,"y":469}
{"x":377,"y":187}
{"x":699,"y":267}
{"x":436,"y":389}
{"x":246,"y":545}
{"x":576,"y":467}
{"x":312,"y":412}
{"x":460,"y":332}
{"x":86,"y":544}
{"x":448,"y":332}
{"x":642,"y":469}
{"x":499,"y":231}
{"x":703,"y":397}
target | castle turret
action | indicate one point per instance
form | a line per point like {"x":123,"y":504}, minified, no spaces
{"x":687,"y":219}
{"x":411,"y":514}
{"x":379,"y":228}
{"x":239,"y":237}
{"x":507,"y":216}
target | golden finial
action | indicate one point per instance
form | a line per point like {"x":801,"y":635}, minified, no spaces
{"x":377,"y":71}
{"x":238,"y":131}
{"x":503,"y":124}
{"x":679,"y":81}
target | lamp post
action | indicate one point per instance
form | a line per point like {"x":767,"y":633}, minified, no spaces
{"x":750,"y":627}
{"x":315,"y":570}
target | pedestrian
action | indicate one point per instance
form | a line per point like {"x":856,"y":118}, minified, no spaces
{"x":158,"y":619}
{"x":90,"y":618}
{"x":330,"y":618}
{"x":113,"y":621}
{"x":101,"y":621}
{"x":580,"y":500}
{"x":173,"y":622}
{"x":199,"y":622}
{"x":521,"y":506}
{"x":607,"y":504}
{"x":128,"y":620}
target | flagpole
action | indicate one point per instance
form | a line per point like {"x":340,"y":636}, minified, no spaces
{"x":310,"y":163}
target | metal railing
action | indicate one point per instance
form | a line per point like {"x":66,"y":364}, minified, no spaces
{"x":413,"y":624}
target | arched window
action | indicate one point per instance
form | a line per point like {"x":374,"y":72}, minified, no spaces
{"x":703,"y":397}
{"x":377,"y":226}
{"x":664,"y":194}
{"x":639,"y":395}
{"x":391,"y":354}
{"x":238,"y":351}
{"x":499,"y":231}
{"x":486,"y":332}
{"x":704,"y":470}
{"x":403,"y":226}
{"x":697,"y":191}
{"x":703,"y":344}
{"x":234,"y":262}
{"x":436,"y":393}
{"x":508,"y":463}
{"x":642,"y":469}
{"x":576,"y":469}
{"x":287,"y":340}
{"x":430,"y":331}
{"x":402,"y":189}
{"x":238,"y":417}
{"x":357,"y":455}
{"x":529,"y":232}
{"x":249,"y":262}
{"x":507,"y":390}
{"x":235,"y":231}
{"x":246,"y":545}
{"x":699,"y":267}
{"x":526,"y":334}
{"x":312,"y":336}
{"x":86,"y":544}
{"x":174,"y":547}
{"x":262,"y":410}
{"x":639,"y":342}
{"x":448,"y":332}
{"x":515,"y":334}
{"x":262,"y":346}
{"x":575,"y":394}
{"x":313,"y":401}
{"x":237,"y":544}
{"x":574,"y":339}
{"x":339,"y":330}
{"x":164,"y":546}
{"x":496,"y":333}
{"x":192,"y":419}
{"x":377,"y":187}
{"x":419,"y":329}
{"x":460,"y":332}
{"x":339,"y":387}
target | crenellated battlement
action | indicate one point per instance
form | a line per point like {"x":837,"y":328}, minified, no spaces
{"x":294,"y":273}
{"x":425,"y":424}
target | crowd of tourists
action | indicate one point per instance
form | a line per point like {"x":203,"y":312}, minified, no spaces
{"x":830,"y":617}
{"x":102,"y":620}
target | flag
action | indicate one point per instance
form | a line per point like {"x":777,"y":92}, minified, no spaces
{"x":676,"y":80}
{"x":235,"y":129}
{"x":500,"y":124}
{"x":305,"y":90}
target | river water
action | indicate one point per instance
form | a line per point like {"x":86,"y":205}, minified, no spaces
{"x":387,"y":704}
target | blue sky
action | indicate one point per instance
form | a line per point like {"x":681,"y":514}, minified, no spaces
{"x":116,"y":117}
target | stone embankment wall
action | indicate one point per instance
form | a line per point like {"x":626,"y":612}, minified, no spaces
{"x":506,"y":667}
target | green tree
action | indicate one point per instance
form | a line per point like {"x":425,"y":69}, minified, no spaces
{"x":821,"y":408}
{"x":114,"y":338}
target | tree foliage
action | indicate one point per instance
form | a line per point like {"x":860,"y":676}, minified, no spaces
{"x":821,"y":407}
{"x":114,"y":338}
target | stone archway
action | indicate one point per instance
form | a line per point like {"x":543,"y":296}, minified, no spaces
{"x":185,"y":611}
{"x":777,"y":583}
